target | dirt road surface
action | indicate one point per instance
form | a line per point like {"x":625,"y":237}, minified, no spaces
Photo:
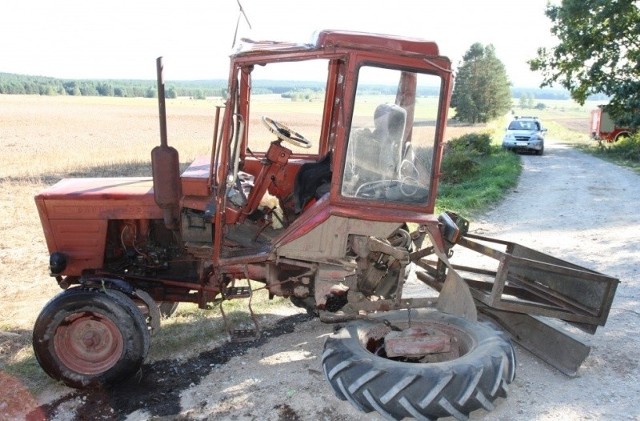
{"x":567,"y":204}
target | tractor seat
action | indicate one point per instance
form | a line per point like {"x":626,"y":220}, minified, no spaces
{"x":312,"y":181}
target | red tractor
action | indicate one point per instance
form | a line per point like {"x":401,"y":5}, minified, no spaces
{"x":320,"y":183}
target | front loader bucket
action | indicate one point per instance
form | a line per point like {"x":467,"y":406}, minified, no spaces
{"x":514,"y":285}
{"x":532,"y":282}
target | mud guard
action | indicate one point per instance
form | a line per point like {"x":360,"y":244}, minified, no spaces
{"x":455,"y":297}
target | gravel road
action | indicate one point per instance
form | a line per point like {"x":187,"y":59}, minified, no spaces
{"x":568,"y":204}
{"x":583,"y":210}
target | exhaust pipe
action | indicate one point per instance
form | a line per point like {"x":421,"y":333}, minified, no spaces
{"x":165,"y":164}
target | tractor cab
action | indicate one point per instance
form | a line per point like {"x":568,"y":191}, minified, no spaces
{"x":349,"y":123}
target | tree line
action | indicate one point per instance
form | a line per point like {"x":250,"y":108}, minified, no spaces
{"x":598,"y":51}
{"x":14,"y":84}
{"x":482,"y":91}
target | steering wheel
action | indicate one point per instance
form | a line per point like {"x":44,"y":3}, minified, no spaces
{"x":405,"y":190}
{"x":285,"y":133}
{"x":371,"y":189}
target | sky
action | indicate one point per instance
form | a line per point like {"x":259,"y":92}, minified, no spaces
{"x":121,"y":39}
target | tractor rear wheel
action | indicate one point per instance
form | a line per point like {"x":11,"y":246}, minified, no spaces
{"x":89,"y":338}
{"x":470,"y":372}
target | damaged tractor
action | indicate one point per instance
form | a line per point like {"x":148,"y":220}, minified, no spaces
{"x":324,"y":194}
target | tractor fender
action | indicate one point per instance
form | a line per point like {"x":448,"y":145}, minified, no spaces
{"x":152,"y":309}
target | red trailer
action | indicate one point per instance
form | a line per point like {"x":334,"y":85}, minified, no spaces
{"x":603,"y":127}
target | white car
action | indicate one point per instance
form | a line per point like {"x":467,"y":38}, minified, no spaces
{"x":525,"y":134}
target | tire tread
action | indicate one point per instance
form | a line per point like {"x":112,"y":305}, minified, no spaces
{"x":422,"y":391}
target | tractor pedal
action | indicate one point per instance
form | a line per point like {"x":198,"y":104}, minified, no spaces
{"x":237,"y":292}
{"x":240,"y":335}
{"x":244,"y":335}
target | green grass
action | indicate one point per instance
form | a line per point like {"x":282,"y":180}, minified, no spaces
{"x":495,"y":174}
{"x":565,"y":135}
{"x":625,"y":152}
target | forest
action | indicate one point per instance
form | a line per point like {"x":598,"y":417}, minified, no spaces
{"x":15,"y":84}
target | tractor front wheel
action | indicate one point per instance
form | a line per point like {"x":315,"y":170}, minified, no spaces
{"x":89,"y":338}
{"x":425,"y":365}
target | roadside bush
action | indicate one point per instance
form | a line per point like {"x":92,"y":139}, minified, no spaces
{"x":462,"y":155}
{"x":458,"y":165}
{"x":627,"y":148}
{"x":472,"y":142}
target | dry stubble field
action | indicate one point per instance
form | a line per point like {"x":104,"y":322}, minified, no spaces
{"x":44,"y":139}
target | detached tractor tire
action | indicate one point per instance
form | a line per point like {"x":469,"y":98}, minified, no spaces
{"x":90,"y":338}
{"x":472,"y":375}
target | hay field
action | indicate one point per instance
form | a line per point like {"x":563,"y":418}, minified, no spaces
{"x":44,"y":139}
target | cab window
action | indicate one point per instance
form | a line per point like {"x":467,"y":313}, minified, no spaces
{"x":392,"y":135}
{"x":291,"y":94}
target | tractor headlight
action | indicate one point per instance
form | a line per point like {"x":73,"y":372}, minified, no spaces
{"x":57,"y":262}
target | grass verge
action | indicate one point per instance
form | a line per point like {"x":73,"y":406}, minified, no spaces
{"x":483,"y":178}
{"x":625,"y":152}
{"x":495,"y":174}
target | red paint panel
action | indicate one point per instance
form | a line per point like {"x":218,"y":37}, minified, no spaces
{"x":327,"y":39}
{"x":101,"y":198}
{"x":75,"y":215}
{"x":195,"y":179}
{"x":82,"y":241}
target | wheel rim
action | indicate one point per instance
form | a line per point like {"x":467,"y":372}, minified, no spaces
{"x":88,"y":343}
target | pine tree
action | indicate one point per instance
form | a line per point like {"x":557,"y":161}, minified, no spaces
{"x":481,"y":92}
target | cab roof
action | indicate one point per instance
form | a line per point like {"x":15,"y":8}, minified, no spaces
{"x":330,"y":39}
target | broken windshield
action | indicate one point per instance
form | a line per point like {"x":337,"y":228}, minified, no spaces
{"x":392,"y":137}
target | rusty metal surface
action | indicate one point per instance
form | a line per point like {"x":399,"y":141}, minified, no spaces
{"x":455,"y":296}
{"x":522,"y":286}
{"x":527,"y":281}
{"x":552,"y":345}
{"x":556,"y":347}
{"x":165,"y":164}
{"x":416,"y":342}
